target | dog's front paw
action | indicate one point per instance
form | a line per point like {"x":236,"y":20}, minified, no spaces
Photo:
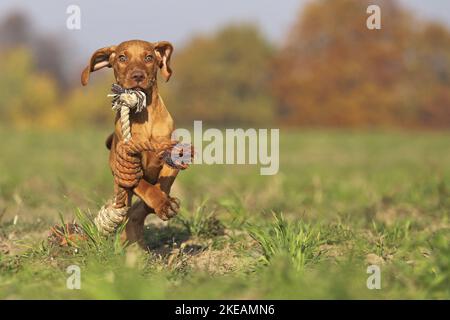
{"x":168,"y":208}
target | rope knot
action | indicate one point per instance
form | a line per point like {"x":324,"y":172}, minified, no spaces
{"x":128,"y":170}
{"x":123,"y":100}
{"x":129,"y":98}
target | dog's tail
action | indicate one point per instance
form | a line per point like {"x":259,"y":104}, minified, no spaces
{"x":109,"y":141}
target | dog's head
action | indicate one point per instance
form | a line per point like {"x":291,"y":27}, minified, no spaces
{"x":135,"y":63}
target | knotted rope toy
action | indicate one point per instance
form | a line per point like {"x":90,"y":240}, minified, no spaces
{"x":124,"y":100}
{"x":128,"y":169}
{"x":113,"y":214}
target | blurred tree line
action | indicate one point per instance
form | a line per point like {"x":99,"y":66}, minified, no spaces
{"x":333,"y":71}
{"x":329,"y":70}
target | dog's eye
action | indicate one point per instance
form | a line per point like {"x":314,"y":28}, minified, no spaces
{"x":122,"y":58}
{"x":148,"y":58}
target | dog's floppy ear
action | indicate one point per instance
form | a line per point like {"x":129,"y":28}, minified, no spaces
{"x":163,"y":50}
{"x":100,"y":59}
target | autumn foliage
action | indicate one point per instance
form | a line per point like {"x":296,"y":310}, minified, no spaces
{"x":223,"y":79}
{"x":334,"y":71}
{"x":328,"y":70}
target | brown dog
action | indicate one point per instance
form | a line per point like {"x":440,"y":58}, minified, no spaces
{"x":136,"y":64}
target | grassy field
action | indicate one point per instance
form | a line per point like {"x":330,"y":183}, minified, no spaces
{"x":343,"y":200}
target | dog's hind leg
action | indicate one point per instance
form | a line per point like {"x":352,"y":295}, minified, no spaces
{"x":134,"y":230}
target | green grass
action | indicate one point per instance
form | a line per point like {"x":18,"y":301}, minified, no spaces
{"x":296,"y":240}
{"x":341,"y":201}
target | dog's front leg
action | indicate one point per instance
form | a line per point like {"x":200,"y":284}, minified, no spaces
{"x":166,"y":178}
{"x":157,"y":196}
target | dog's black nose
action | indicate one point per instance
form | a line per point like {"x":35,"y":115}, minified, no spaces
{"x":137,"y":75}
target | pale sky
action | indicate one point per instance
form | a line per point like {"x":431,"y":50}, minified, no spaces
{"x":106,"y":22}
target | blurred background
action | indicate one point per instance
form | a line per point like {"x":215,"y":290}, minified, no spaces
{"x":253,"y":63}
{"x":364,"y":147}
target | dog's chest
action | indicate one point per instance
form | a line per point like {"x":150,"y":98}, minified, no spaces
{"x":151,"y":125}
{"x":141,"y":132}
